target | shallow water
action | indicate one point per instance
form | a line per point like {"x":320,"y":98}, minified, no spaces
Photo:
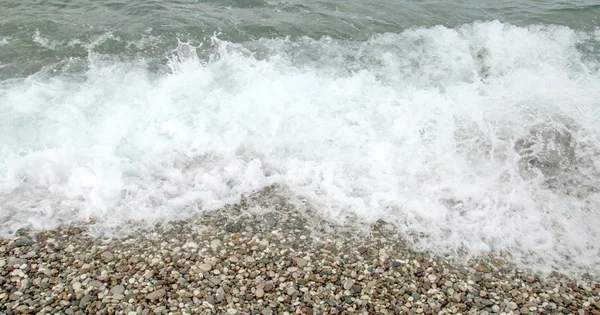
{"x":473,"y":125}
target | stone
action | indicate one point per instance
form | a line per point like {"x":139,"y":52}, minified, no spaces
{"x":22,"y":308}
{"x":118,"y":289}
{"x":268,"y":287}
{"x":234,"y":259}
{"x":155,"y":295}
{"x":215,"y":244}
{"x":76,"y":286}
{"x":205,"y":267}
{"x":12,"y":262}
{"x":107,"y":256}
{"x":348,"y":284}
{"x":118,"y":296}
{"x":486,"y":302}
{"x":85,"y":300}
{"x":530,"y":279}
{"x":259,"y":293}
{"x":416,"y":296}
{"x":23,"y":241}
{"x":15,"y":296}
{"x":232,"y":311}
{"x":301,"y":262}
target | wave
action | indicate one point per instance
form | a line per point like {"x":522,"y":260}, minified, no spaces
{"x":481,"y":138}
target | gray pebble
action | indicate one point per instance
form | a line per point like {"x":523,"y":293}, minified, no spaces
{"x":12,"y":262}
{"x":155,"y":295}
{"x":118,"y":289}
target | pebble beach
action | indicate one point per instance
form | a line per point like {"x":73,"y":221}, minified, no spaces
{"x":299,"y":157}
{"x":243,"y":260}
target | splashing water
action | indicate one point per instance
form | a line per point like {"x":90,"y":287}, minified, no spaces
{"x":482,"y":137}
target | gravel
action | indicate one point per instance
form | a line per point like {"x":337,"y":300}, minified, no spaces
{"x":271,"y":259}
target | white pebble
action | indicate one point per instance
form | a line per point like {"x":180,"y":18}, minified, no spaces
{"x":259,"y":293}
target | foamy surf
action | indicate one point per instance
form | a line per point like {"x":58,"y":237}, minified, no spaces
{"x":479,"y":138}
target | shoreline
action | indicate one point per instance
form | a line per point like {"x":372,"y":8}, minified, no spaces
{"x":236,"y":261}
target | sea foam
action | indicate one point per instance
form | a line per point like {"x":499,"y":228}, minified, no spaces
{"x":479,"y":138}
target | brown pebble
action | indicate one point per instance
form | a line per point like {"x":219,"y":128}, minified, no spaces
{"x":268,"y":287}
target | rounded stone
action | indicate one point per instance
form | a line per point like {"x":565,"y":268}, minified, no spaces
{"x":259,"y":293}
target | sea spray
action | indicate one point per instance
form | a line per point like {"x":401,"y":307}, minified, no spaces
{"x":481,"y":138}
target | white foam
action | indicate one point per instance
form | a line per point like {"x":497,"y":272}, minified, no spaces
{"x":482,"y":137}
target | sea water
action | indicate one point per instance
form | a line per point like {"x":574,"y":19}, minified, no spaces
{"x":474,"y":125}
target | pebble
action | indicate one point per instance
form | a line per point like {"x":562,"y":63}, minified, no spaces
{"x":215,"y":244}
{"x":268,"y":287}
{"x":85,"y":300}
{"x":23,"y":241}
{"x":22,"y":308}
{"x":301,"y":262}
{"x":118,"y":289}
{"x":12,"y":262}
{"x":76,"y":285}
{"x":205,"y":267}
{"x":198,"y":271}
{"x":15,"y":296}
{"x":348,"y":284}
{"x":107,"y":256}
{"x":259,"y":293}
{"x":155,"y":295}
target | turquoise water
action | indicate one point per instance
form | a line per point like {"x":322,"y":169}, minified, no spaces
{"x":473,"y":124}
{"x":150,"y":29}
